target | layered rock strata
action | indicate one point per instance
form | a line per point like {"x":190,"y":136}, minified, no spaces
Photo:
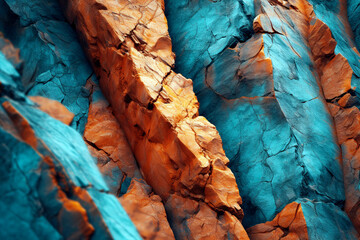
{"x":107,"y":143}
{"x":119,"y":166}
{"x":178,"y":152}
{"x":279,"y":80}
{"x":264,"y":94}
{"x":50,"y":186}
{"x":336,"y":77}
{"x":54,"y":65}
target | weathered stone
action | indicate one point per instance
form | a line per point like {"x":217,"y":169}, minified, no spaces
{"x":306,"y":220}
{"x":54,"y":109}
{"x":107,"y":143}
{"x":278,"y":78}
{"x":177,"y":151}
{"x":264,"y":98}
{"x":336,"y":79}
{"x":290,"y":223}
{"x":146,"y":211}
{"x":50,"y":186}
{"x":54,"y":65}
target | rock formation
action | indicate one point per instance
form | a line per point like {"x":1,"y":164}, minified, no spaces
{"x":50,"y":185}
{"x":148,"y":119}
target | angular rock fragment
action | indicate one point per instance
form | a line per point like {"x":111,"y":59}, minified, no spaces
{"x":146,"y":211}
{"x":290,"y":223}
{"x":54,"y":109}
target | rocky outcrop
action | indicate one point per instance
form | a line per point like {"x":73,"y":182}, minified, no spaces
{"x":290,"y":223}
{"x":305,"y":219}
{"x":146,"y":211}
{"x":106,"y":141}
{"x":278,"y":79}
{"x":50,"y":186}
{"x":262,"y":115}
{"x":336,"y":75}
{"x":54,"y":65}
{"x":179,"y":153}
{"x":266,"y":100}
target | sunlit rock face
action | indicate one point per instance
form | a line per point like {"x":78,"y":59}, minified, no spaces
{"x":129,"y":119}
{"x":179,"y":153}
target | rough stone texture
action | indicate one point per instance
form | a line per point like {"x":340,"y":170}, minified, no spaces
{"x":54,"y":109}
{"x":146,"y":211}
{"x":119,"y":166}
{"x":263,"y":96}
{"x":50,"y":186}
{"x":278,"y":78}
{"x":179,"y":153}
{"x":107,"y":143}
{"x":206,"y":28}
{"x":353,"y":11}
{"x":54,"y":65}
{"x":264,"y":99}
{"x":343,"y":105}
{"x":306,"y":220}
{"x":290,"y":223}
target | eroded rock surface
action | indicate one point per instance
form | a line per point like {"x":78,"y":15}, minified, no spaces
{"x":50,"y":186}
{"x":54,"y":65}
{"x":147,"y":211}
{"x":278,"y":79}
{"x":353,"y":12}
{"x":264,"y":95}
{"x":338,"y":75}
{"x":306,"y":220}
{"x":178,"y":152}
{"x":107,"y":143}
{"x":289,"y":223}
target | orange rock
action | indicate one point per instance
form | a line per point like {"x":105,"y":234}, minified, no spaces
{"x":54,"y":109}
{"x":107,"y":142}
{"x":288,"y":224}
{"x":10,"y":52}
{"x":320,"y":39}
{"x":175,"y":149}
{"x":262,"y":24}
{"x":336,"y":78}
{"x":146,"y":211}
{"x":196,"y":220}
{"x":70,"y":209}
{"x":343,"y":102}
{"x":347,"y":123}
